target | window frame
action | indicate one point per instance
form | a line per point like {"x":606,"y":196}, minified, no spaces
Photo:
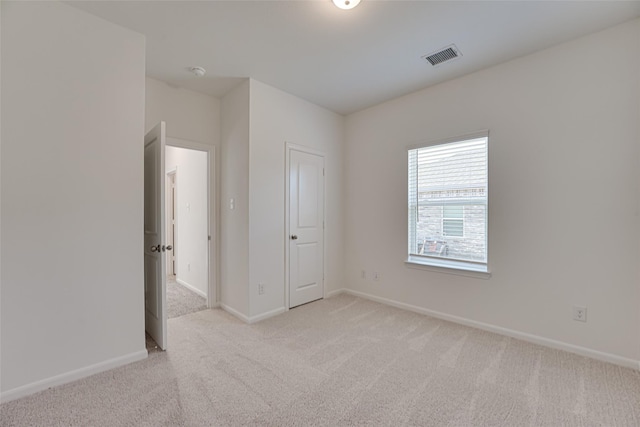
{"x":445,"y":218}
{"x":444,"y":265}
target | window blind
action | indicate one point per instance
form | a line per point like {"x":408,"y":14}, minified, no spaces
{"x":447,"y":189}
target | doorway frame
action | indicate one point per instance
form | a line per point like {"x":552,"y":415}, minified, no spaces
{"x":213,"y":180}
{"x":174,"y":183}
{"x":289,"y":146}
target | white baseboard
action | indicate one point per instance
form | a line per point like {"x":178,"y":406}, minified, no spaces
{"x":191,"y":288}
{"x":254,"y":319}
{"x":336,"y":292}
{"x":559,"y":345}
{"x":68,"y":377}
{"x":234,"y":312}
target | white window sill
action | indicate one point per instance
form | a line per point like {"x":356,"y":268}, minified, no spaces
{"x":459,"y":268}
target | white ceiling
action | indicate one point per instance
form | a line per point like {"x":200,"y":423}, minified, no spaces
{"x":346,"y":60}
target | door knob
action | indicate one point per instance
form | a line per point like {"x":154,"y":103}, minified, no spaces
{"x":155,"y":248}
{"x":294,"y":237}
{"x":169,"y":247}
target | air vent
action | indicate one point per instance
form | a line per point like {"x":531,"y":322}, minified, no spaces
{"x":443,"y":55}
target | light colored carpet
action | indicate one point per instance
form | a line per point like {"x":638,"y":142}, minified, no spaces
{"x":181,"y":301}
{"x":340,"y":362}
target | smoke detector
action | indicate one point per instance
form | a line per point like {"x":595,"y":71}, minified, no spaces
{"x":198,"y":71}
{"x":445,"y":54}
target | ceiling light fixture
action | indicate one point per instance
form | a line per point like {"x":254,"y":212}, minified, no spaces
{"x":198,"y":71}
{"x":346,"y":4}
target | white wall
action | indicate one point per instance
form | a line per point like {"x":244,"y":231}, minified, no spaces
{"x":189,"y":115}
{"x":72,"y":299}
{"x":234,"y":224}
{"x":257,"y":121}
{"x":278,"y":117}
{"x":564,"y":189}
{"x":191,"y":216}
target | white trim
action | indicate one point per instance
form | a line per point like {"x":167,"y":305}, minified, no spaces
{"x":448,"y":267}
{"x":336,"y":292}
{"x":191,"y":288}
{"x":287,"y":228}
{"x":559,"y":345}
{"x":465,"y":136}
{"x":75,"y":375}
{"x":252,"y":319}
{"x":289,"y":146}
{"x":234,"y":312}
{"x":304,"y":149}
{"x":185,"y":143}
{"x":263,"y":316}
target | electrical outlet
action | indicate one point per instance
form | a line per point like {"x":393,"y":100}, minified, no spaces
{"x":376,"y":276}
{"x":260,"y":288}
{"x":363,"y":274}
{"x":188,"y":267}
{"x":579,"y":313}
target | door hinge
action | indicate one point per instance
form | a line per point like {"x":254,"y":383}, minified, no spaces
{"x":208,"y":237}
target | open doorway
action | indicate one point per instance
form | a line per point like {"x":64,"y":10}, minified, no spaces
{"x":187,"y":213}
{"x":188,"y":180}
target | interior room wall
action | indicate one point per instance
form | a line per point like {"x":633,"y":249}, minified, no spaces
{"x":563,"y":196}
{"x":234,"y":225}
{"x":189,"y":115}
{"x":191,"y":216}
{"x":278,"y":117}
{"x":72,"y":107}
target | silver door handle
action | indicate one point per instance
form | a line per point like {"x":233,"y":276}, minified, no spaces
{"x":155,"y":248}
{"x":294,"y":237}
{"x":169,"y":247}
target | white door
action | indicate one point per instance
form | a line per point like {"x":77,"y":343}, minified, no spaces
{"x":155,"y":281}
{"x":306,"y":227}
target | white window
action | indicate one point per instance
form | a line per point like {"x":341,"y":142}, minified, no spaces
{"x":453,"y":220}
{"x":447,"y":196}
